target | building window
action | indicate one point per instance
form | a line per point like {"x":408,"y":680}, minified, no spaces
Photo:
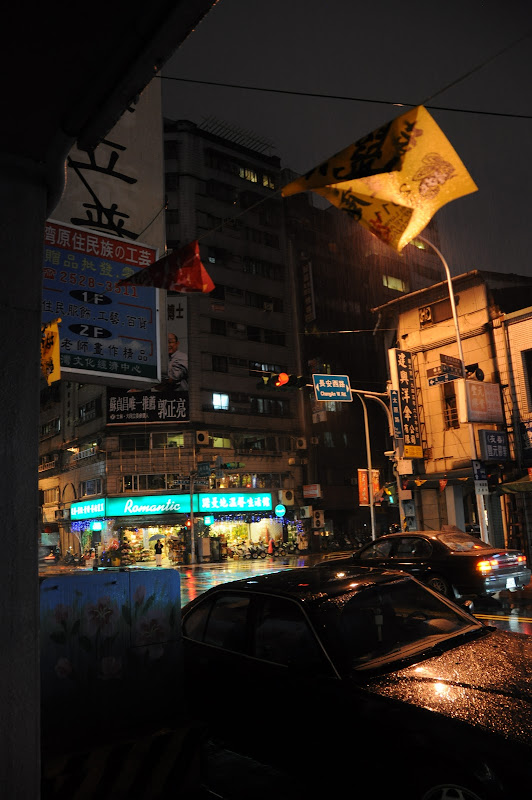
{"x":90,"y":410}
{"x":90,"y":487}
{"x":394,"y":283}
{"x":218,"y":326}
{"x":269,"y":406}
{"x":51,"y":496}
{"x":450,"y":410}
{"x":220,"y":441}
{"x":268,"y":181}
{"x":50,"y":428}
{"x":156,"y":482}
{"x":220,"y":402}
{"x":219,"y":363}
{"x":163,"y":440}
{"x":135,"y":441}
{"x":248,"y":174}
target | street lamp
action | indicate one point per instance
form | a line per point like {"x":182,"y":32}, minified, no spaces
{"x":473,"y":446}
{"x":377,"y":397}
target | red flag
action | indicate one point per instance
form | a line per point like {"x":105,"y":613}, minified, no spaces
{"x":181,"y":271}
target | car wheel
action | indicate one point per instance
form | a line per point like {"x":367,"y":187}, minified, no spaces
{"x":450,"y":791}
{"x":440,"y":584}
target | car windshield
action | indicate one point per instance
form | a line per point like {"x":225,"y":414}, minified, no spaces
{"x":462,"y":542}
{"x":391,"y":621}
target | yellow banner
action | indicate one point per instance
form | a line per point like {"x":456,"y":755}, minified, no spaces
{"x":393,"y":180}
{"x":50,"y":359}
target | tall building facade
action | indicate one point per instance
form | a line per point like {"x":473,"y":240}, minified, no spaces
{"x":223,"y":456}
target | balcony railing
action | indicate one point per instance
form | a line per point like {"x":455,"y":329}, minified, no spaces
{"x":48,"y":464}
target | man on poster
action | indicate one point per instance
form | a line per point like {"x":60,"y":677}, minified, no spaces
{"x":177,"y":364}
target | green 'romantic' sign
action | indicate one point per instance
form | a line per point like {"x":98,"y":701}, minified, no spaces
{"x":150,"y":504}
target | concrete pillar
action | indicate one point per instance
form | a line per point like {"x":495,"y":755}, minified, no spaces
{"x":455,"y":506}
{"x":23,"y":198}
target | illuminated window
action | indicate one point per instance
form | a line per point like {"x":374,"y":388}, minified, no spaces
{"x":394,"y":283}
{"x":219,"y":441}
{"x":220,"y":402}
{"x":248,"y":174}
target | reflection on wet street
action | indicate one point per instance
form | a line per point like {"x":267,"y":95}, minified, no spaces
{"x":199,"y":578}
{"x":509,"y":611}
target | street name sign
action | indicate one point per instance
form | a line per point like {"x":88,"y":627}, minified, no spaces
{"x":332,"y":387}
{"x":445,"y":377}
{"x":452,"y":363}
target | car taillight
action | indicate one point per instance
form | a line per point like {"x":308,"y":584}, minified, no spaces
{"x":487,"y":566}
{"x":521,"y":559}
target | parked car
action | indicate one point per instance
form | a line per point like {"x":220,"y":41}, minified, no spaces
{"x":454,"y":563}
{"x":350,"y":676}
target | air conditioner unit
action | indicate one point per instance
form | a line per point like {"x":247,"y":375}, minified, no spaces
{"x":301,"y":443}
{"x":202,"y":437}
{"x":305,"y":512}
{"x":425,"y":315}
{"x":286,"y":497}
{"x":314,"y":439}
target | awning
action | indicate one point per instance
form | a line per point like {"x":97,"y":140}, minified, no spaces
{"x":517,"y":487}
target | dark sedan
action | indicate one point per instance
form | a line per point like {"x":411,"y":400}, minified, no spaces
{"x":363,"y":680}
{"x":454,"y":563}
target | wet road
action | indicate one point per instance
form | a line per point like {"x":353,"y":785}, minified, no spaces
{"x":510,"y":611}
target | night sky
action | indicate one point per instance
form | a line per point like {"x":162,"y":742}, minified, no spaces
{"x":379,"y":54}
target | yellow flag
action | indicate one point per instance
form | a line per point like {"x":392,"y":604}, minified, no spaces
{"x":50,"y":359}
{"x":393,"y":180}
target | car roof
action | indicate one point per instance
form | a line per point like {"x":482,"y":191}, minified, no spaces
{"x":425,"y":534}
{"x":310,"y":584}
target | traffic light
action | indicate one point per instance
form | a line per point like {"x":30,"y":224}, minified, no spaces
{"x":282,"y":381}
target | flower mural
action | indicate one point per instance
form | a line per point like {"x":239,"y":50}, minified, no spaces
{"x":116,"y":634}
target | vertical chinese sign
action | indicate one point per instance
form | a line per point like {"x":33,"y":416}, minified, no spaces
{"x":108,"y":334}
{"x":403,"y":381}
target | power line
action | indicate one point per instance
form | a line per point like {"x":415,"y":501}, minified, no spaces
{"x":352,"y":99}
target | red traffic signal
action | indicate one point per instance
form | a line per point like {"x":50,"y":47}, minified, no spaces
{"x":282,"y":379}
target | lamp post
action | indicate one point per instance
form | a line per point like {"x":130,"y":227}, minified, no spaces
{"x":377,"y":397}
{"x":473,"y":446}
{"x":192,"y":536}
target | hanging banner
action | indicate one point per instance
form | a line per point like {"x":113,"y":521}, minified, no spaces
{"x":363,"y":488}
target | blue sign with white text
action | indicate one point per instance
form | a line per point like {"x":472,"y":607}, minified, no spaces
{"x":332,"y":387}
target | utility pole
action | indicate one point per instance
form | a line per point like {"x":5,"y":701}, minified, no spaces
{"x":193,"y":474}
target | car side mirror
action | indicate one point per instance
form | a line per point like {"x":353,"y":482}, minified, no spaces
{"x":468,"y":605}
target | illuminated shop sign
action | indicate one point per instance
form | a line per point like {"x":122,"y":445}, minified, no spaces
{"x":235,"y":502}
{"x":87,"y":510}
{"x":160,"y":504}
{"x":150,"y":504}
